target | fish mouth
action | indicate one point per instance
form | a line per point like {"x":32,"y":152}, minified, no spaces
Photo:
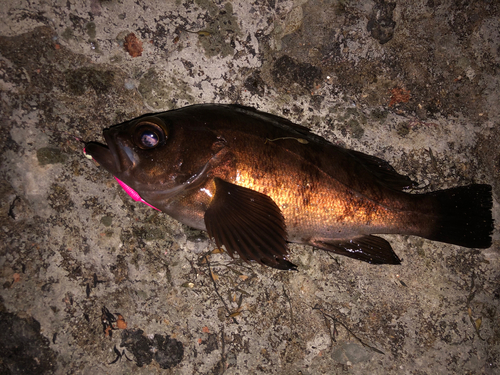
{"x":105,"y":154}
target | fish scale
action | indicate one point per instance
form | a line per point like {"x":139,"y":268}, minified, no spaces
{"x":316,"y":205}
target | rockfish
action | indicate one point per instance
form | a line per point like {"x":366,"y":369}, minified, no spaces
{"x":255,"y":181}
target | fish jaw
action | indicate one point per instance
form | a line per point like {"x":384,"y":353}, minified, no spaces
{"x":102,"y":155}
{"x":117,"y":156}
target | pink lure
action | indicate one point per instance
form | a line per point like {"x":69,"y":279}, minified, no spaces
{"x":133,"y":194}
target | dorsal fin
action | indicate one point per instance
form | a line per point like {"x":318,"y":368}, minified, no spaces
{"x":383,"y":171}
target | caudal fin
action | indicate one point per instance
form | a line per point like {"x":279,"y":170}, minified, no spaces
{"x":465,"y":217}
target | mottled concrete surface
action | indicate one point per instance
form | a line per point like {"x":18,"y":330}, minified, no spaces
{"x":416,"y":83}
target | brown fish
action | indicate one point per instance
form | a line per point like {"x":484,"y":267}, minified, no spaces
{"x":255,"y":181}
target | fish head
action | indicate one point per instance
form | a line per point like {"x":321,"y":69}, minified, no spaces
{"x":153,"y":153}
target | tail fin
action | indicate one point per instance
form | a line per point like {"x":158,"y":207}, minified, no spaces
{"x":465,"y":217}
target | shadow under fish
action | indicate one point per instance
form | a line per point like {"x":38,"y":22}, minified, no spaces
{"x":256,"y":181}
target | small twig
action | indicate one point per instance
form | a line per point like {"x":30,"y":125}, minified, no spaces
{"x":217,"y":290}
{"x":223,"y":349}
{"x":290,"y":303}
{"x":336,"y":321}
{"x":119,"y":355}
{"x":199,"y":32}
{"x":469,"y":309}
{"x":72,"y":136}
{"x":300,"y":140}
{"x":434,"y":162}
{"x":12,"y":206}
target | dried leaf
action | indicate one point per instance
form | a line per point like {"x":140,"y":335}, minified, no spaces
{"x":236,"y":313}
{"x":133,"y":45}
{"x":478,"y":323}
{"x":121,"y":323}
{"x":399,"y":95}
{"x":217,"y":250}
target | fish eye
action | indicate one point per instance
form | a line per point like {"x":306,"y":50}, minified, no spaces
{"x":149,"y":139}
{"x":149,"y":134}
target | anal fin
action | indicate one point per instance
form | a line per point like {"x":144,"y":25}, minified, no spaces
{"x":370,"y":249}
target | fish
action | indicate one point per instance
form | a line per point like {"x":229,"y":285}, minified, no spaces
{"x":256,"y":182}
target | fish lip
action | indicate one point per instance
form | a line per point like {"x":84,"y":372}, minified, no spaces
{"x":113,"y":151}
{"x":105,"y":154}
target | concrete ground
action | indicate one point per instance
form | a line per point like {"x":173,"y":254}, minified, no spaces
{"x":94,"y":283}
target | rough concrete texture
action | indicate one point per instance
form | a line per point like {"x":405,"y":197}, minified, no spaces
{"x":414,"y":82}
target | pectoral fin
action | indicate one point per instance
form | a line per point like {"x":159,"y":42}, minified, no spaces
{"x":249,"y":223}
{"x":371,"y":249}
